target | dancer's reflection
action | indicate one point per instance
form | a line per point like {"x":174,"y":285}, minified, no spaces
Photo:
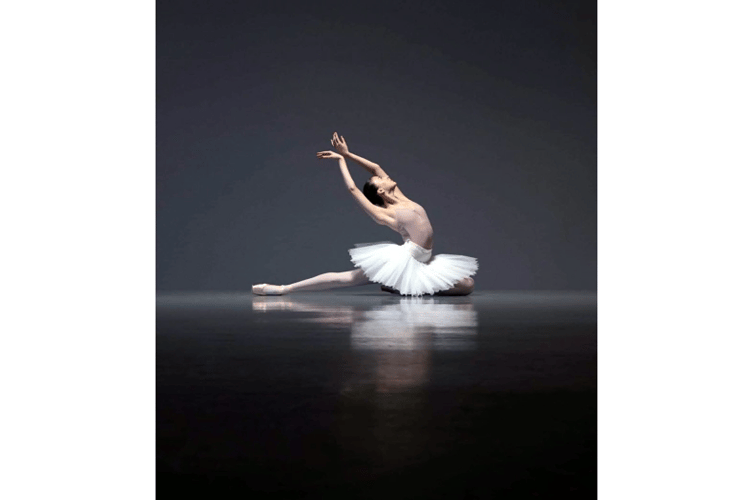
{"x":333,"y":316}
{"x":415,"y":323}
{"x":400,"y":336}
{"x":380,"y":414}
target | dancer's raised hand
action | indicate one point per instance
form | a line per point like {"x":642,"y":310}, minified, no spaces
{"x":328,"y":155}
{"x":339,"y":144}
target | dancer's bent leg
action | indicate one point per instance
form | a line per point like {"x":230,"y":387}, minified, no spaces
{"x":326,"y":281}
{"x":464,"y":287}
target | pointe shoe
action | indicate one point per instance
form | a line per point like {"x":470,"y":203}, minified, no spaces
{"x":266,"y":289}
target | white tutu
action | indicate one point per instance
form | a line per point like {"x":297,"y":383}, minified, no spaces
{"x":409,"y":268}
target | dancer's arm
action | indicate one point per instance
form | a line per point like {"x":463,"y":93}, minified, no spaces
{"x":378,"y":214}
{"x":341,"y":146}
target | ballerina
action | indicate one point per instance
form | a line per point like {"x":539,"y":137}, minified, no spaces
{"x":407,"y":269}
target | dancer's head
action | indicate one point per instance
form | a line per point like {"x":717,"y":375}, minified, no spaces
{"x":372,"y":193}
{"x":382,"y":189}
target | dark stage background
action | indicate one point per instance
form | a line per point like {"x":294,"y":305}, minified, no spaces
{"x":484,"y":112}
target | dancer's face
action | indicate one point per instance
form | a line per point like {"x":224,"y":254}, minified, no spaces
{"x":383,"y":183}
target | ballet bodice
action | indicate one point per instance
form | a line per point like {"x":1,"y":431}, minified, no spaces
{"x":413,"y":225}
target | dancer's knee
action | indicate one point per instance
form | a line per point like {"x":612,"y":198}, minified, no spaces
{"x":345,"y":277}
{"x":466,"y":286}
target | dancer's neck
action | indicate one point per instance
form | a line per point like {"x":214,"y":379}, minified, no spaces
{"x":391,"y":199}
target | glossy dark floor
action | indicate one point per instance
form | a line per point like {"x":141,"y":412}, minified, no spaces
{"x":363,"y":394}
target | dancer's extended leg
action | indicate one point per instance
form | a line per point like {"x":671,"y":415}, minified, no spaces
{"x":325,"y":281}
{"x":328,"y":281}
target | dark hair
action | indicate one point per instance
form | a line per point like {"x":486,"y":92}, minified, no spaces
{"x":370,"y":190}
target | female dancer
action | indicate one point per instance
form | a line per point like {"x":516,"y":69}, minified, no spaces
{"x":408,"y":269}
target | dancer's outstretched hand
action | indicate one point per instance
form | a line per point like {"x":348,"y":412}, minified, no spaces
{"x":328,"y":155}
{"x":339,"y":144}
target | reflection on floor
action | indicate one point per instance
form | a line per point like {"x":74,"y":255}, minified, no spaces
{"x":370,"y":395}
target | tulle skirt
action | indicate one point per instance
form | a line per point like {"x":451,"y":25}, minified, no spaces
{"x":411,"y":269}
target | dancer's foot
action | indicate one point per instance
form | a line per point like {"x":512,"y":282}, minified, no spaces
{"x":265,"y":289}
{"x":389,"y":289}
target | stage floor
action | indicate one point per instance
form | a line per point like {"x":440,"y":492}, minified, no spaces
{"x":363,"y":394}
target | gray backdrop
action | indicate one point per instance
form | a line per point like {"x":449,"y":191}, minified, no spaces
{"x":483,"y":112}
